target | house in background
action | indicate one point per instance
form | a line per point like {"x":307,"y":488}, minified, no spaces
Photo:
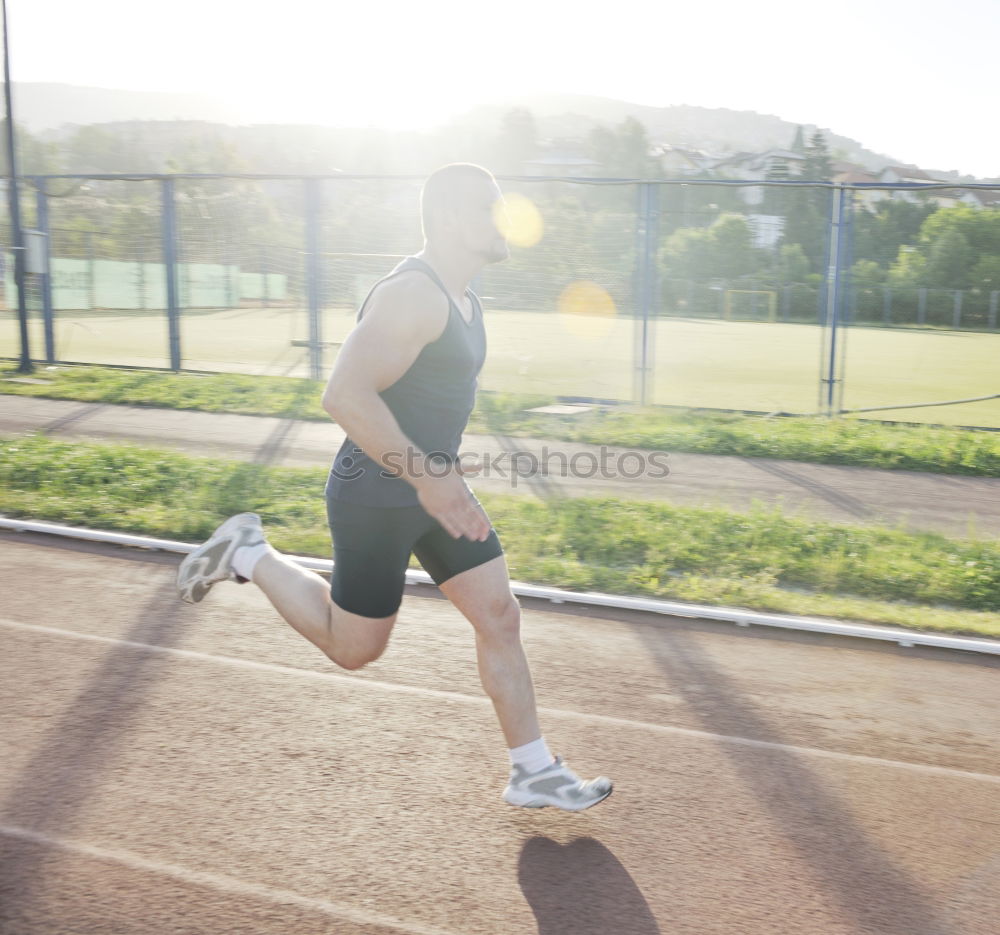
{"x":850,"y":173}
{"x":674,"y":160}
{"x":980,"y":198}
{"x":942,"y":197}
{"x":771,"y":165}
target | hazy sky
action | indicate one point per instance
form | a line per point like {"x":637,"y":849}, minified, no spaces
{"x":917,"y":82}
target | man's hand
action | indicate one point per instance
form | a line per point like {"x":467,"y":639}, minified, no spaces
{"x":449,"y":500}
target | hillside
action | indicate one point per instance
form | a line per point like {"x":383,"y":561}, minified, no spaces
{"x":53,"y":109}
{"x":716,"y":130}
{"x":43,"y":106}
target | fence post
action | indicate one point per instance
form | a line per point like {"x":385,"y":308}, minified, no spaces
{"x":142,"y":299}
{"x":264,"y":285}
{"x":169,"y":234}
{"x":91,"y":272}
{"x":646,"y":291}
{"x":994,"y":296}
{"x":42,"y":212}
{"x":312,"y":211}
{"x":887,"y":305}
{"x":922,"y":306}
{"x":834,"y":295}
{"x":956,"y":318}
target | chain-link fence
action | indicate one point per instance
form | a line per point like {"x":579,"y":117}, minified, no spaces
{"x":741,"y":295}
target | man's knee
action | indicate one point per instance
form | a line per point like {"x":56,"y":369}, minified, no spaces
{"x":354,"y":659}
{"x":502,"y":620}
{"x":353,"y":646}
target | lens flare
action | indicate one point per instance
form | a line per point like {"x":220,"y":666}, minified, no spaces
{"x":517,"y":218}
{"x":587,"y":310}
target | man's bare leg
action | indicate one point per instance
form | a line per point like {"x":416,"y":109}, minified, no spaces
{"x":303,"y":598}
{"x":484,"y":597}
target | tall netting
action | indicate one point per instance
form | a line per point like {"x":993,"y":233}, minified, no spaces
{"x":106,"y":272}
{"x":10,"y":332}
{"x":704,"y":295}
{"x":560,"y":311}
{"x":241,"y":275}
{"x":540,"y":339}
{"x":366,"y":227}
{"x":10,"y":340}
{"x":922,"y":305}
{"x":741,"y":295}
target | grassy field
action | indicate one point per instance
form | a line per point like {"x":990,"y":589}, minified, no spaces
{"x":845,"y":441}
{"x":698,"y":364}
{"x":762,"y":560}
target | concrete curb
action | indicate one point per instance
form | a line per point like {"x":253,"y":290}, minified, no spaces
{"x":743,"y":618}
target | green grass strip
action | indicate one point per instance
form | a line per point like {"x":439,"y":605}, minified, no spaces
{"x":762,"y":560}
{"x":843,"y":441}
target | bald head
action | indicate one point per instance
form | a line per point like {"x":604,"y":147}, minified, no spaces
{"x":449,"y":192}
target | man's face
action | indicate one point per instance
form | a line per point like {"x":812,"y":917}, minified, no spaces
{"x":482,"y":207}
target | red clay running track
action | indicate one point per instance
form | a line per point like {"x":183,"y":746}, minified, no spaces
{"x":175,"y":769}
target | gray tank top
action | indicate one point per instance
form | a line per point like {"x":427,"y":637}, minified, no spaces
{"x":431,"y":402}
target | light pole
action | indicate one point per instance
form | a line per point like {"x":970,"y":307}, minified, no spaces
{"x":25,"y":365}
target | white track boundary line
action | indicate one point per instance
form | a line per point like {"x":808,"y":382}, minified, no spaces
{"x":377,"y":685}
{"x":222,"y":882}
{"x":739,"y":616}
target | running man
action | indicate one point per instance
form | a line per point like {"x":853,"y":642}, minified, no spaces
{"x":403,"y":388}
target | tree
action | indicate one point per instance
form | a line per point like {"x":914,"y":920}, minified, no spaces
{"x":633,"y":149}
{"x":878,"y":235}
{"x":792,"y":264}
{"x":909,"y":269}
{"x":949,"y":261}
{"x":818,"y":166}
{"x":517,"y":142}
{"x":602,"y":147}
{"x":985,"y":274}
{"x":981,"y":228}
{"x":808,"y":209}
{"x":723,"y":251}
{"x":622,"y":152}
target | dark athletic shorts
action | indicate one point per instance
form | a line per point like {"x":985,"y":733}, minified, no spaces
{"x":372,"y":547}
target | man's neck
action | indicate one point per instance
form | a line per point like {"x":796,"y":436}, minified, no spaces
{"x":455,"y":272}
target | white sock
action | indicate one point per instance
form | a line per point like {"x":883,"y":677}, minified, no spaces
{"x":532,"y":757}
{"x":245,"y":559}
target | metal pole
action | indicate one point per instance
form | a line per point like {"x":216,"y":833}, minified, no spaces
{"x":264,"y":295}
{"x":91,"y":273}
{"x":647,"y":291}
{"x":833,"y":291}
{"x":169,"y":234}
{"x":312,"y":209}
{"x":42,"y":210}
{"x":845,"y":263}
{"x":17,"y":232}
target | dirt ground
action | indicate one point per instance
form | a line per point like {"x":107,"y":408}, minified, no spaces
{"x":167,"y":768}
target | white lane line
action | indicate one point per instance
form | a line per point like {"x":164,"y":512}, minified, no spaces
{"x":376,"y":685}
{"x":219,"y":881}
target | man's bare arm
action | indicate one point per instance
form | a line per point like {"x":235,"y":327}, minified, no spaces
{"x":403,"y":316}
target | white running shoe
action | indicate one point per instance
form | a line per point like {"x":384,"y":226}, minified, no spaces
{"x":555,"y":785}
{"x":212,"y":561}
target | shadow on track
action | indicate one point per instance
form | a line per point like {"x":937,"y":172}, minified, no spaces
{"x":856,"y":872}
{"x":581,"y":889}
{"x":80,"y":749}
